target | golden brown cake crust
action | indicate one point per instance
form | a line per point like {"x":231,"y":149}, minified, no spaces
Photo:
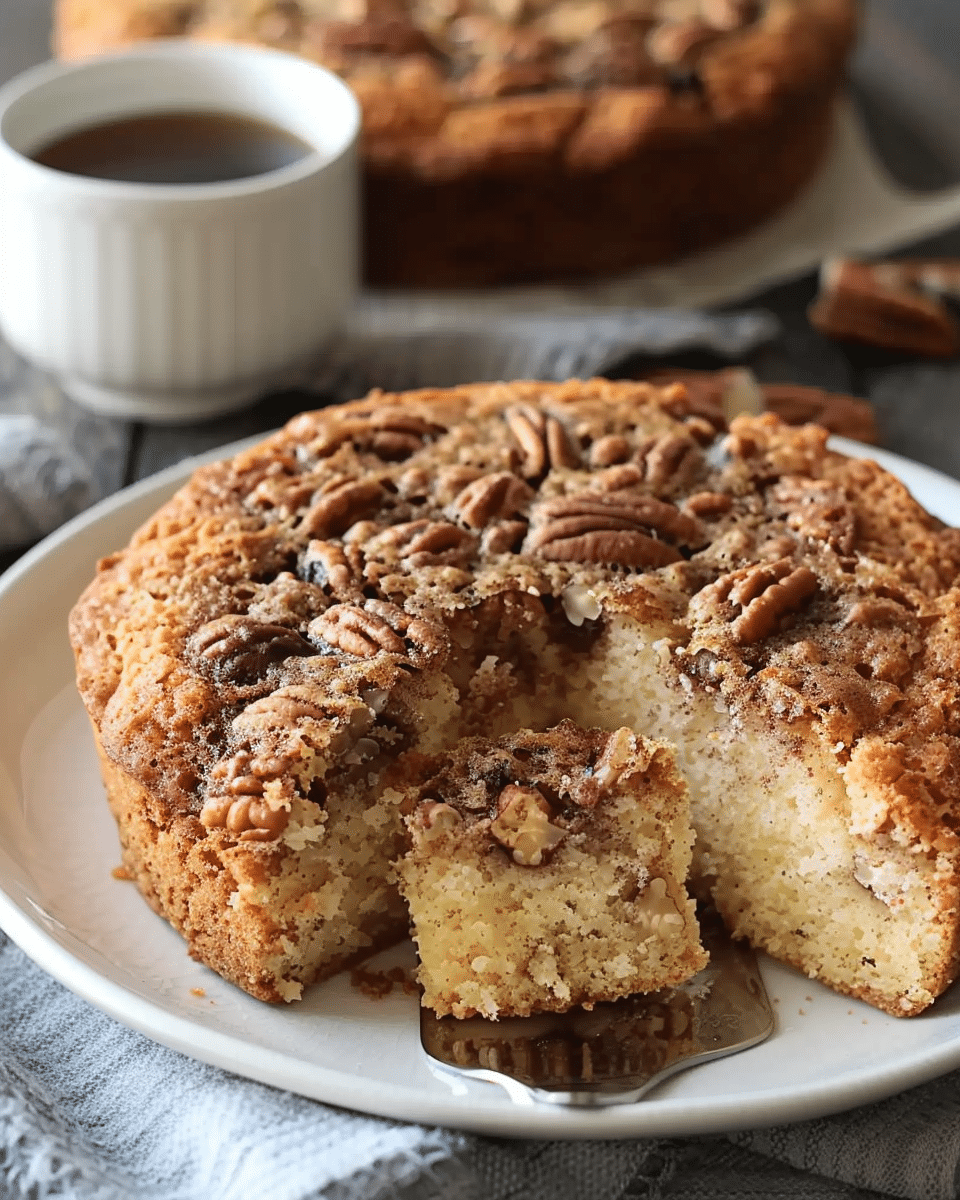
{"x":520,"y":140}
{"x":382,"y":577}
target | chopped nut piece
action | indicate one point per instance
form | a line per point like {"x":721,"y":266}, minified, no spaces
{"x":523,"y":825}
{"x":580,"y":604}
{"x":881,"y":306}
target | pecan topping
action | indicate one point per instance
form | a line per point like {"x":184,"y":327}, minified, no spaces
{"x":252,"y":820}
{"x":729,"y":14}
{"x":282,"y":709}
{"x":818,"y":510}
{"x":543,"y":440}
{"x":765,"y":595}
{"x":350,"y":628}
{"x":617,"y":529}
{"x":242,"y":810}
{"x":451,"y":481}
{"x":239,"y":650}
{"x":877,"y":611}
{"x":489,"y":497}
{"x":337,"y":509}
{"x":609,"y":451}
{"x":284,"y":493}
{"x":330,"y":566}
{"x":681,"y":42}
{"x":378,"y":627}
{"x":881,"y":305}
{"x":799,"y":405}
{"x":390,"y":434}
{"x":708,"y":504}
{"x":504,"y":537}
{"x":425,"y":543}
{"x":523,"y":826}
{"x":616,"y":479}
{"x":671,"y":459}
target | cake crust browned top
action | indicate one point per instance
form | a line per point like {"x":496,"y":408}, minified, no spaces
{"x":344,"y":556}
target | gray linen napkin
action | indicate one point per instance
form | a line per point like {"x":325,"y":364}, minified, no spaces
{"x":90,"y":1110}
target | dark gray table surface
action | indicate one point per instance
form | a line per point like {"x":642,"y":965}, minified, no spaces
{"x":905,"y":79}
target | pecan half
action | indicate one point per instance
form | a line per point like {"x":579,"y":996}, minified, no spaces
{"x":282,"y":709}
{"x":424,"y":543}
{"x":391,"y":435}
{"x":622,"y":529}
{"x":609,"y":450}
{"x":249,"y":818}
{"x":337,"y":509}
{"x":669,"y":461}
{"x":240,"y":807}
{"x":503,"y":537}
{"x":765,"y":594}
{"x":491,"y":497}
{"x":877,"y":304}
{"x":350,"y":628}
{"x":708,"y":504}
{"x":543,"y":441}
{"x":236,"y":649}
{"x":378,"y":627}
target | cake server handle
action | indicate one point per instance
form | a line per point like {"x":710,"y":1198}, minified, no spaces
{"x":618,"y":1051}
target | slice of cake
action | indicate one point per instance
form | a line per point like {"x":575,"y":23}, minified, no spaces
{"x":547,"y":870}
{"x":385,"y":578}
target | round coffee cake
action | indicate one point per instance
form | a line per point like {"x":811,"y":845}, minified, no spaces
{"x":270,"y":659}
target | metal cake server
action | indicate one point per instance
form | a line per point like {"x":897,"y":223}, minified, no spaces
{"x":617,"y":1052}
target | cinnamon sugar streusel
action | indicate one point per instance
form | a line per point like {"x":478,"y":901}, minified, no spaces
{"x":269,"y":661}
{"x":510,"y":140}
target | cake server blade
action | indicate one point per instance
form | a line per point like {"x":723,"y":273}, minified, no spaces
{"x":618,"y":1051}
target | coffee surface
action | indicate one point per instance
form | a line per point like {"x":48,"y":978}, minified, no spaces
{"x":174,"y":148}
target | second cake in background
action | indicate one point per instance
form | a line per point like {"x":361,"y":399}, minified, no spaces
{"x":522,"y":140}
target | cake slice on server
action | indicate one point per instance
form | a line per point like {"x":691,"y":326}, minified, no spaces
{"x":548,"y":870}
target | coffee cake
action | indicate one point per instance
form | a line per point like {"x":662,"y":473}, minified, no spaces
{"x":380,"y":580}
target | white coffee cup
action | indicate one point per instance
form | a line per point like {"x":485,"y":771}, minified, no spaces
{"x":174,"y":302}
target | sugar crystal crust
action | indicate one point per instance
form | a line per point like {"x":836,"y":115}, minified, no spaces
{"x":385,"y":578}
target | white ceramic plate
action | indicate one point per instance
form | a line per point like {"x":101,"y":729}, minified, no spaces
{"x":59,"y":901}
